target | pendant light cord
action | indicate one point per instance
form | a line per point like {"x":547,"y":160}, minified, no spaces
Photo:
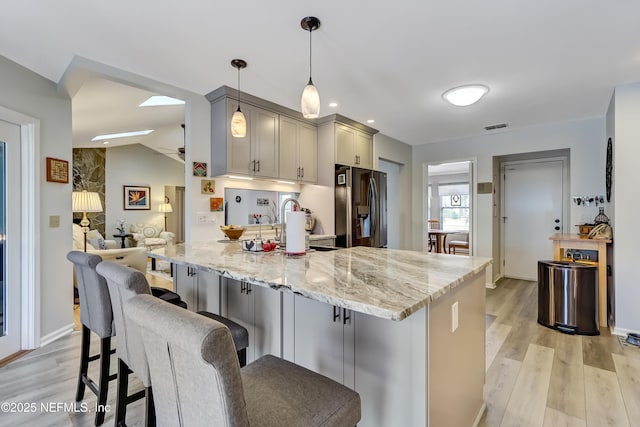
{"x":238,"y":88}
{"x":310,"y":53}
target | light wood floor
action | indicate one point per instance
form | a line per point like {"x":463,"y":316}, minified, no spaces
{"x":535,"y":376}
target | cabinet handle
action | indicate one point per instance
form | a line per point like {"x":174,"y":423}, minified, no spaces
{"x":248,"y":288}
{"x":258,"y":165}
{"x":243,"y":287}
{"x":302,"y":176}
{"x":346,"y":317}
{"x":336,"y":313}
{"x":298,"y":172}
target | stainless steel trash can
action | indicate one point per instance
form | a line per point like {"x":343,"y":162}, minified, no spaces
{"x":568,"y":297}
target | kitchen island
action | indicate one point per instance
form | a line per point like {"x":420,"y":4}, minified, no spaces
{"x":405,"y":329}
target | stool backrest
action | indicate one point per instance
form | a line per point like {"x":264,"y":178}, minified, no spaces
{"x":95,"y":303}
{"x":193,"y":364}
{"x":123,"y":284}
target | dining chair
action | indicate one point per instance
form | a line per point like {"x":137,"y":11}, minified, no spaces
{"x":197,"y":379}
{"x":432,"y":224}
{"x":459,"y":246}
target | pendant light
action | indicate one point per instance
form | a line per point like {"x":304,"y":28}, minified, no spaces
{"x":238,"y":121}
{"x":310,"y":97}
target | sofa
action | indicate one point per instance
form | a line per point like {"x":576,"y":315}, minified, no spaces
{"x":131,"y":257}
{"x":95,"y":241}
{"x":150,"y":236}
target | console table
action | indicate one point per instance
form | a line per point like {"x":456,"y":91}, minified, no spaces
{"x":575,"y":241}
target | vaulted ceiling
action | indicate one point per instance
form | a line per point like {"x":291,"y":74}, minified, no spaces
{"x":544,"y":61}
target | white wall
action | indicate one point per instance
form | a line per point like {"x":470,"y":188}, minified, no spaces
{"x":625,"y":132}
{"x":31,"y":94}
{"x":585,"y":139}
{"x":137,"y":165}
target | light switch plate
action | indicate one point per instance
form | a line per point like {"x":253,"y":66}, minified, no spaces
{"x":54,"y":221}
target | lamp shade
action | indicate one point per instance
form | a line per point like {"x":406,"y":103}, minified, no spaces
{"x":85,"y":201}
{"x":310,"y":102}
{"x":238,"y":124}
{"x":165,"y":207}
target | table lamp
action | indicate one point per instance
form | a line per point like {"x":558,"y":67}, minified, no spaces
{"x":85,"y":201}
{"x":164,"y":208}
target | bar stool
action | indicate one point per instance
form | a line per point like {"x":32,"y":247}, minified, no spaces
{"x":198,"y":381}
{"x":124,"y":283}
{"x":95,"y":316}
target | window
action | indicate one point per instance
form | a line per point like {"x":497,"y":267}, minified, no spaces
{"x":454,"y":206}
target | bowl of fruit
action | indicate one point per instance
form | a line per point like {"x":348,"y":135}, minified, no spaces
{"x":233,"y":232}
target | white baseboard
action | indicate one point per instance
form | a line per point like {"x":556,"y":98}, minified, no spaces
{"x":480,"y":414}
{"x":623,"y":331}
{"x":490,"y":285}
{"x":49,"y":338}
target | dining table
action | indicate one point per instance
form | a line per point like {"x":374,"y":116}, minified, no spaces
{"x":441,"y":237}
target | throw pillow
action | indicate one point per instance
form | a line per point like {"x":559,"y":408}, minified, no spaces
{"x":95,"y":239}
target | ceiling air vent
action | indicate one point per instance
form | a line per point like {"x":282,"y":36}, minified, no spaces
{"x":498,"y":126}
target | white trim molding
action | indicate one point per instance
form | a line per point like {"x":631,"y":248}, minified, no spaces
{"x":49,"y":338}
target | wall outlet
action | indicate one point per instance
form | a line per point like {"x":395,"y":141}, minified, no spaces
{"x":201,"y":218}
{"x":454,"y":316}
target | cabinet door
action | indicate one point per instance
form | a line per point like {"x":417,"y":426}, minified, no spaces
{"x":308,"y":153}
{"x":288,"y":148}
{"x":318,"y":338}
{"x":264,"y":133}
{"x":239,"y":308}
{"x":364,"y":150}
{"x":267,"y":321}
{"x":208,"y":286}
{"x":239,"y":158}
{"x":184,"y":283}
{"x":345,"y":141}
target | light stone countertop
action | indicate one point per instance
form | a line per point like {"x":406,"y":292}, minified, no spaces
{"x":386,"y":283}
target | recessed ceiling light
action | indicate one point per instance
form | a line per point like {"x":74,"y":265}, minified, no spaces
{"x":371,"y":121}
{"x":463,"y":96}
{"x":333,"y":104}
{"x":123,"y":135}
{"x":160,"y":100}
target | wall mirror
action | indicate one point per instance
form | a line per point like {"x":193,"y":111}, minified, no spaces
{"x":247,"y":207}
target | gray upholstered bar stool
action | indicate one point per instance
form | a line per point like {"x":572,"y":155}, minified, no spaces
{"x":96,"y":316}
{"x":198,"y":381}
{"x":124,"y":283}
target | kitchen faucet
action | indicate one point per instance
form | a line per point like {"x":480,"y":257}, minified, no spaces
{"x":283,"y":234}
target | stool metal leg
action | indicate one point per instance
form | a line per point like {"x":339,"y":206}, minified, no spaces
{"x":150,"y":419}
{"x":123,"y":385}
{"x":84,"y":362}
{"x":105,"y":361}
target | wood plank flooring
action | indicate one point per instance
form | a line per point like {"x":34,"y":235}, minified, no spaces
{"x":541,"y":377}
{"x":535,"y":376}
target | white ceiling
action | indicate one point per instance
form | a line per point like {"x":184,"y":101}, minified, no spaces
{"x":544,"y":61}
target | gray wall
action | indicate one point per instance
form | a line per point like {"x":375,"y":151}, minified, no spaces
{"x":585,"y":139}
{"x":29,"y":93}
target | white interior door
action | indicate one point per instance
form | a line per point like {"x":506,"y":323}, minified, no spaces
{"x":10,"y":281}
{"x":533,"y":210}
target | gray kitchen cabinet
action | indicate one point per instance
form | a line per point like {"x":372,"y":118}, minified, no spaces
{"x":324,"y":339}
{"x":353,"y":147}
{"x":298,"y":150}
{"x":257,"y":153}
{"x":199,"y":289}
{"x":259,"y":310}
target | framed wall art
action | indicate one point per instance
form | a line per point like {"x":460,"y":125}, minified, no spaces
{"x":199,"y":169}
{"x":57,"y":170}
{"x":216,"y":204}
{"x":136,"y":198}
{"x":208,"y":186}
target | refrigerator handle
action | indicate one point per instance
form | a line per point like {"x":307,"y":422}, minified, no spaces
{"x":373,"y":201}
{"x":349,"y":209}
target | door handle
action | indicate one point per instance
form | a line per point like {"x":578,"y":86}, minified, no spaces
{"x":336,"y":313}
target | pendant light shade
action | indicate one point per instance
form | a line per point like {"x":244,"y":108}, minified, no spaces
{"x":310,"y":103}
{"x":238,"y":121}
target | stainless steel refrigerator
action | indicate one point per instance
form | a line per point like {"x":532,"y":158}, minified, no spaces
{"x":361,"y":207}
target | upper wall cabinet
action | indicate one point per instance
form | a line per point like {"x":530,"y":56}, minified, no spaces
{"x":298,"y":150}
{"x":353,"y":147}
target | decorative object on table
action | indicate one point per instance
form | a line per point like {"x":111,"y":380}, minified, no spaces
{"x":238,"y":121}
{"x":601,"y":218}
{"x":233,"y":232}
{"x":310,"y":102}
{"x":120,"y":226}
{"x":601,"y":231}
{"x":295,"y":233}
{"x":199,"y":169}
{"x":585,"y":229}
{"x":85,"y":201}
{"x":216,"y":204}
{"x":165,"y":208}
{"x":57,"y":170}
{"x":254,"y":245}
{"x":608,"y":169}
{"x":136,"y":198}
{"x":257,"y":219}
{"x":207,"y":186}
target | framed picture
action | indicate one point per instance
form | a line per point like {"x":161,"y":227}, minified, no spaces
{"x":136,"y":198}
{"x":57,"y":170}
{"x":216,"y":204}
{"x":199,"y":169}
{"x":208,"y":186}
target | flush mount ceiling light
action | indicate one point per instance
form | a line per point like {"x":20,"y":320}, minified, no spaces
{"x":310,"y":97}
{"x":122,"y":135}
{"x":161,"y":100}
{"x":463,"y":96}
{"x":238,"y":121}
